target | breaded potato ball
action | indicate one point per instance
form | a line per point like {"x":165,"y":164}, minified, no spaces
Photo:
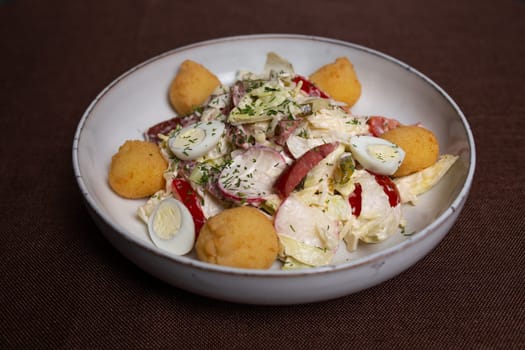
{"x":420,"y":145}
{"x":192,"y":85}
{"x":339,"y":80}
{"x":137,"y":169}
{"x":238,"y":237}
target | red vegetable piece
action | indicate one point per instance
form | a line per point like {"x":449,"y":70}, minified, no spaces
{"x":183,"y":191}
{"x":356,"y":200}
{"x":379,"y":125}
{"x":390,"y":189}
{"x":293,"y":175}
{"x":309,"y":87}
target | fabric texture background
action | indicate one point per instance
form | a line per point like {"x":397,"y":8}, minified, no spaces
{"x":63,"y":286}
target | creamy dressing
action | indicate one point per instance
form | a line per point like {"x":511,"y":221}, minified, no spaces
{"x":233,"y":155}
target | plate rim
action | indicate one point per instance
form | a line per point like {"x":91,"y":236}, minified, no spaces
{"x":193,"y":263}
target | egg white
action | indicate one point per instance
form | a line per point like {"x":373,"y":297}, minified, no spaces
{"x":194,"y":141}
{"x":171,"y":227}
{"x":380,"y":156}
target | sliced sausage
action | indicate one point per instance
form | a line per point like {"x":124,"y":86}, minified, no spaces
{"x":293,"y":175}
{"x":162,"y":128}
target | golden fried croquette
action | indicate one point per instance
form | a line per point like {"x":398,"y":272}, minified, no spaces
{"x":192,"y":85}
{"x":339,"y":80}
{"x":137,"y":169}
{"x":420,"y":145}
{"x":238,"y":237}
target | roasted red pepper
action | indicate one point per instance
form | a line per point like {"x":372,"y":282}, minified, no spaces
{"x":183,"y":191}
{"x":389,"y":187}
{"x":309,"y":87}
{"x":356,"y":200}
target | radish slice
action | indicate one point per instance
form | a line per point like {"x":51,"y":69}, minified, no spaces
{"x":251,"y":175}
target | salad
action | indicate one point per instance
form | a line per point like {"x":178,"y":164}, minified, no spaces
{"x":277,"y":142}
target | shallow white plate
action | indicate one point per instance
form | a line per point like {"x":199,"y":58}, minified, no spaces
{"x":138,"y":99}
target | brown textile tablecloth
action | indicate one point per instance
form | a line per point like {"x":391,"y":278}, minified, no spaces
{"x":62,"y":285}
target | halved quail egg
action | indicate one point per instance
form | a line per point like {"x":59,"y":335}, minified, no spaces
{"x":380,"y":156}
{"x":195,"y":140}
{"x":171,"y":227}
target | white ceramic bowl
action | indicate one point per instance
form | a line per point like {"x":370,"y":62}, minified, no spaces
{"x":138,"y":99}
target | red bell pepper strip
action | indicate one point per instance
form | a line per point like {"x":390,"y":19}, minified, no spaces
{"x":389,"y":187}
{"x":309,"y":87}
{"x":356,"y":200}
{"x":183,"y":191}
